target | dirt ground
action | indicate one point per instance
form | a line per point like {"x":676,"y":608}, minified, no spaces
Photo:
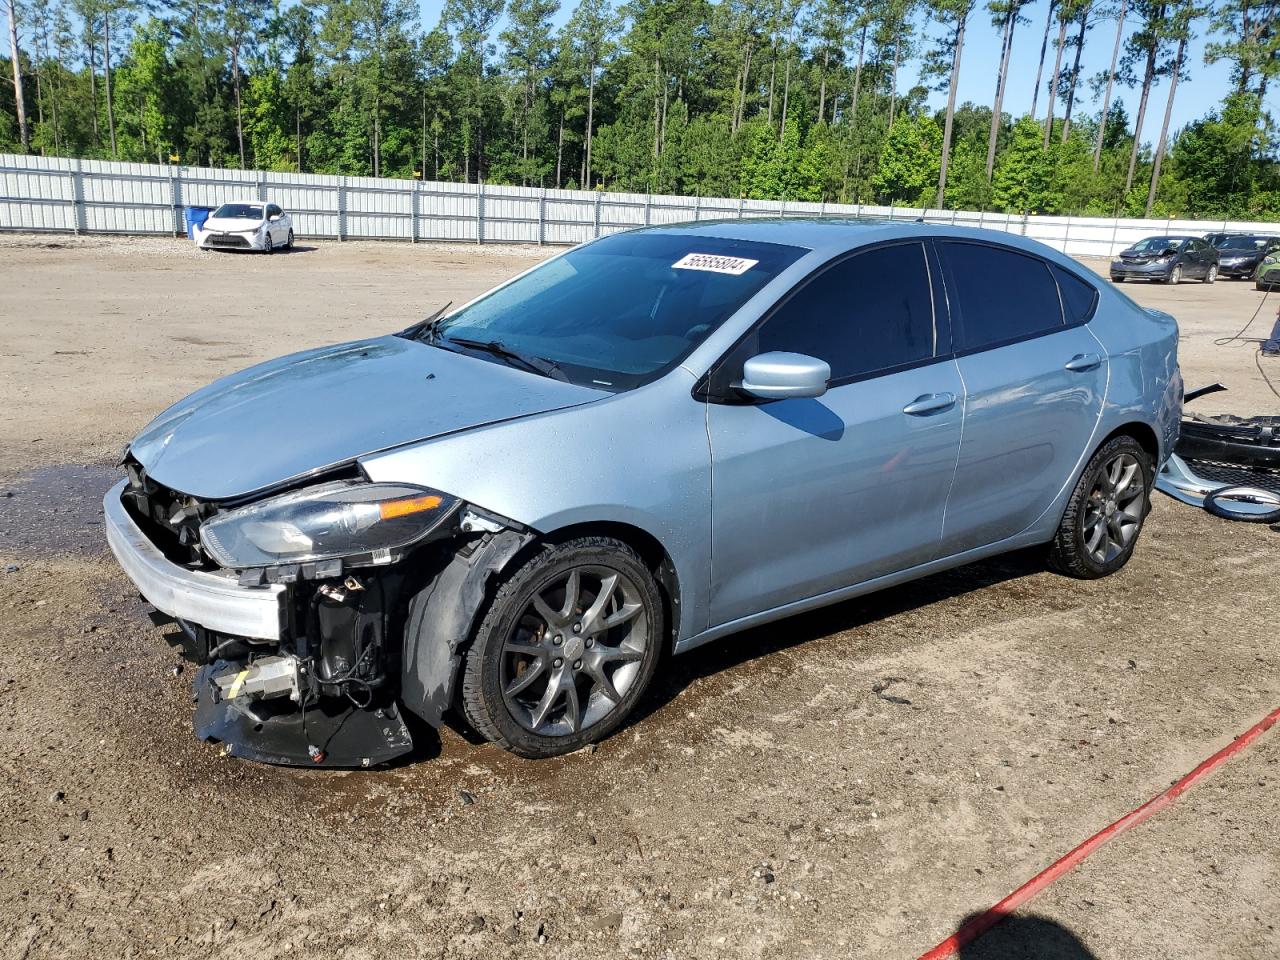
{"x":767,"y":802}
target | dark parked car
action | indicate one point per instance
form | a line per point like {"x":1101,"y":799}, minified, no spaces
{"x":1239,"y":254}
{"x":1167,"y":259}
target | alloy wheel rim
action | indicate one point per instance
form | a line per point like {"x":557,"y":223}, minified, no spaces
{"x":1113,"y":511}
{"x":575,"y":651}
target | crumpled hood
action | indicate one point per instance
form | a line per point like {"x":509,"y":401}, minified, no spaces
{"x":232,"y":224}
{"x":293,"y":416}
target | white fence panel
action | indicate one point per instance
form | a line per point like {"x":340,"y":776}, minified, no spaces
{"x":97,"y":196}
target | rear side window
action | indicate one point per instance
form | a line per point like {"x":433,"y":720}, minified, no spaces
{"x":869,"y":313}
{"x":998,"y":296}
{"x":1078,"y":297}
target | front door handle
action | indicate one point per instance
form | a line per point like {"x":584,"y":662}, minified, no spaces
{"x":930,"y":403}
{"x":1083,"y":361}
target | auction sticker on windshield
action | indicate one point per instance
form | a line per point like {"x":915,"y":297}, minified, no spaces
{"x":736,"y":266}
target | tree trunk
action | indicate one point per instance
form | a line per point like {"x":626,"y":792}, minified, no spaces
{"x":1002,"y":77}
{"x":1044,"y":46}
{"x":1111,"y":79}
{"x":1148,"y":77}
{"x":951,"y":107}
{"x":857,"y":74}
{"x":591,"y":106}
{"x":786,"y":97}
{"x":93,"y":90}
{"x":1053,"y":82}
{"x":559,"y":149}
{"x":1075,"y":75}
{"x":297,"y":133}
{"x":822,"y":85}
{"x":106,"y":76}
{"x":1164,"y":127}
{"x":15,"y":55}
{"x":893,"y":83}
{"x":235,"y":82}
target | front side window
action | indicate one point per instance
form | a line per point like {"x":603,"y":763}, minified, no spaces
{"x":998,"y":295}
{"x":619,"y":312}
{"x":870,"y":313}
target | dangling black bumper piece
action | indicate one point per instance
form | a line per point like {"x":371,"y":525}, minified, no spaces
{"x":331,"y":733}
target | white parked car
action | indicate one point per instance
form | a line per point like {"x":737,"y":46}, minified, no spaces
{"x":246,"y":225}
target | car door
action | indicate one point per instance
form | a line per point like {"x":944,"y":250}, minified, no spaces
{"x":1035,"y":379}
{"x":275,"y":224}
{"x":810,"y":495}
{"x":1205,"y":256}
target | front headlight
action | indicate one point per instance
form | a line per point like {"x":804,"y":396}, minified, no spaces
{"x":364,"y":522}
{"x":1271,"y":259}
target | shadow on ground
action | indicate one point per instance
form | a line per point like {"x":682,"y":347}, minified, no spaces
{"x":1026,"y":938}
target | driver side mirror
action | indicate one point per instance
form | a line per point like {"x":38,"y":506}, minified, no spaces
{"x":783,"y":376}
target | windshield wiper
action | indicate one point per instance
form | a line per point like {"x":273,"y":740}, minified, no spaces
{"x":539,"y":365}
{"x":426,"y":329}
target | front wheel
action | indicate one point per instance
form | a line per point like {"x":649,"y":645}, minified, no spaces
{"x":270,"y":247}
{"x":566,"y":648}
{"x":288,"y":244}
{"x":1105,"y":513}
{"x":1175,"y":275}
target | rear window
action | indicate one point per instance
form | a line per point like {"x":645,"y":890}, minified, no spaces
{"x":999,"y":295}
{"x":1078,"y":297}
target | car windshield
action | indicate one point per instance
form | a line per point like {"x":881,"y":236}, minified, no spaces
{"x":616,"y":313}
{"x":1240,"y":241}
{"x":1157,"y":244}
{"x":239,"y":211}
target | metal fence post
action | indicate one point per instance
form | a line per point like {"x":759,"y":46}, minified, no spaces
{"x":176,"y":202}
{"x":415,"y":208}
{"x":342,"y":208}
{"x":479,"y":211}
{"x":648,"y":213}
{"x":77,"y":199}
{"x":697,"y":208}
{"x":542,"y":217}
{"x":740,"y":202}
{"x":597,"y":215}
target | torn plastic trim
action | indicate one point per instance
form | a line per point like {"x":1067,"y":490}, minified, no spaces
{"x":443,"y":615}
{"x":1182,"y":483}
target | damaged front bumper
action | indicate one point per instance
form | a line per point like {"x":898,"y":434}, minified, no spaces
{"x":313,"y":665}
{"x":215,"y":601}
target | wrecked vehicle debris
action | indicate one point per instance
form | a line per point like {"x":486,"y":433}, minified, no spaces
{"x":1227,"y":464}
{"x":654,"y":440}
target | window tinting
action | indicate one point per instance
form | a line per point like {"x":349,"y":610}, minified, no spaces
{"x":1078,"y":297}
{"x":999,"y":296}
{"x":871,"y":312}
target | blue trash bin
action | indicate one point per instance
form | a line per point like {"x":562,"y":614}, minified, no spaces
{"x":196,"y":216}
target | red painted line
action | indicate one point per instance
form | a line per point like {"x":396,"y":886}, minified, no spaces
{"x":989,"y":918}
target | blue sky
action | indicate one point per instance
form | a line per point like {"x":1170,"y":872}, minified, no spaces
{"x":1208,"y":86}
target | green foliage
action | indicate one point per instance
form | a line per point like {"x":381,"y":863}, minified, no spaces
{"x":801,"y":100}
{"x":910,"y":162}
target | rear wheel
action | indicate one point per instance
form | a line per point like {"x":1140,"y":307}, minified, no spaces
{"x":566,"y":648}
{"x":1104,"y":516}
{"x":1212,"y":275}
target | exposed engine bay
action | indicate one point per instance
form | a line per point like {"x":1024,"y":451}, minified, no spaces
{"x":354,"y":642}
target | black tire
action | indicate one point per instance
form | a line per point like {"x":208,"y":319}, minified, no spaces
{"x":1117,"y":279}
{"x":288,"y":244}
{"x":1175,"y":274}
{"x":1070,"y":551}
{"x":1211,"y":274}
{"x":495,"y":664}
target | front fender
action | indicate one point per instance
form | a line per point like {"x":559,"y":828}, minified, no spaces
{"x":442,"y":616}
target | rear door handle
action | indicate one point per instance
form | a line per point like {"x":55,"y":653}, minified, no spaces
{"x":930,"y":403}
{"x":1083,"y":361}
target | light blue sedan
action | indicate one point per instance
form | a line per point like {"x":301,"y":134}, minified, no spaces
{"x":509,"y":512}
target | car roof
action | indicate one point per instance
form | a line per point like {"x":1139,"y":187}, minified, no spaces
{"x":833,"y":235}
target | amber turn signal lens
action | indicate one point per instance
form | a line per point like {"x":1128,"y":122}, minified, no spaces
{"x":403,"y":508}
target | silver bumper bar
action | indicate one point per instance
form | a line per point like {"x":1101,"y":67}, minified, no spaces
{"x":1180,"y":482}
{"x":214,"y":602}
